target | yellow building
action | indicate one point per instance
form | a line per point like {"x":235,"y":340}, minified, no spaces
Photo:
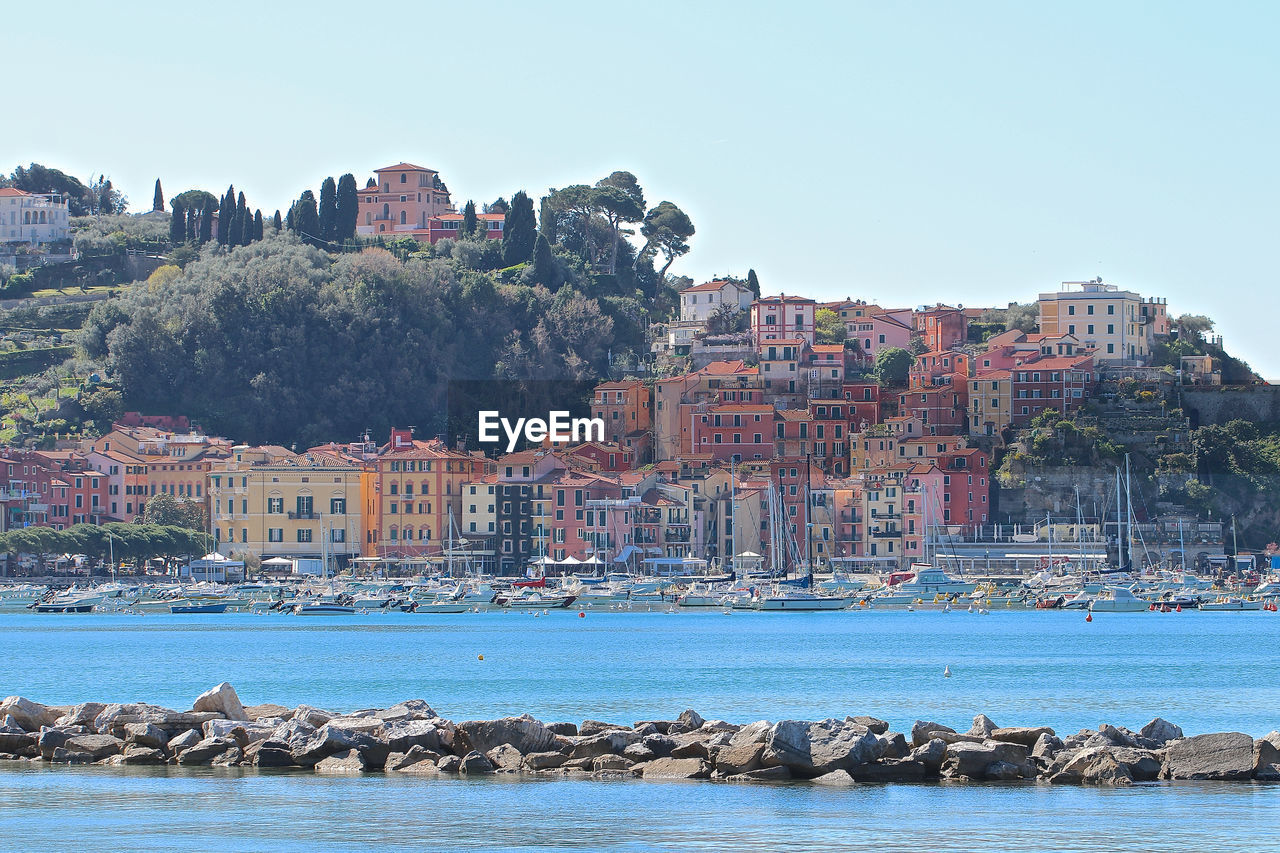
{"x":272,"y":502}
{"x":1118,"y":324}
{"x":990,"y":403}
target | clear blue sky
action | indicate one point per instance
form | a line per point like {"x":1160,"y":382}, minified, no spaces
{"x":974,"y":152}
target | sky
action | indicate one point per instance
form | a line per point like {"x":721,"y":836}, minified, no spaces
{"x":903,"y":153}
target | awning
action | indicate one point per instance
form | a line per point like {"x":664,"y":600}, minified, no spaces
{"x":570,"y":561}
{"x":626,"y":553}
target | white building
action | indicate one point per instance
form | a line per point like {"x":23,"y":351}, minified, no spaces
{"x":32,"y":217}
{"x":699,"y":302}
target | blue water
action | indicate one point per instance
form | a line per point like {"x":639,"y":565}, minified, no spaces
{"x":1203,"y":671}
{"x":208,"y":809}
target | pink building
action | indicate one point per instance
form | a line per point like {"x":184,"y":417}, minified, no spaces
{"x":878,"y":332}
{"x":411,"y":201}
{"x":783,"y":317}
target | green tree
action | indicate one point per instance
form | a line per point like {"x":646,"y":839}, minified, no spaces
{"x":892,"y":366}
{"x":544,"y":264}
{"x":348,"y":208}
{"x":519,"y":230}
{"x":257,"y":225}
{"x":828,"y":327}
{"x":193,"y":215}
{"x":276,"y":222}
{"x":166,"y":510}
{"x":236,"y":237}
{"x":226,"y":211}
{"x":306,"y":220}
{"x":753,"y":283}
{"x":178,"y":226}
{"x":206,"y":219}
{"x":329,"y":210}
{"x":157,"y":201}
{"x":247,"y":232}
{"x":469,"y":220}
{"x":666,"y":228}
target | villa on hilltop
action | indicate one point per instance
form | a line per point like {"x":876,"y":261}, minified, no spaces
{"x":405,"y":200}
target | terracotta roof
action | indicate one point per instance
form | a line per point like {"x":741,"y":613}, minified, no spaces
{"x":717,"y":284}
{"x":12,"y":192}
{"x":828,"y":347}
{"x":403,"y":167}
{"x":795,"y":415}
{"x":722,"y":368}
{"x":786,"y":299}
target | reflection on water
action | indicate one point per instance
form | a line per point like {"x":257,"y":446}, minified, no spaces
{"x":212,"y":809}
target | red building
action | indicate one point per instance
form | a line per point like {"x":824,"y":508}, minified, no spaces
{"x":942,"y":410}
{"x":735,"y":432}
{"x":942,"y":327}
{"x":863,"y":400}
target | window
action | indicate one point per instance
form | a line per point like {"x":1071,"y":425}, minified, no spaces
{"x":275,"y":534}
{"x":338,"y":506}
{"x":304,"y":508}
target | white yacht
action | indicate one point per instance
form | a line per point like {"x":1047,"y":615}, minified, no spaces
{"x":1118,"y":599}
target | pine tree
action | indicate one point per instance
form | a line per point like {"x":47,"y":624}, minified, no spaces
{"x":306,"y":220}
{"x":328,"y":209}
{"x":544,"y":263}
{"x":276,"y":220}
{"x":257,"y":225}
{"x":226,"y":210}
{"x":348,"y":208}
{"x":469,"y":220}
{"x":157,"y":202}
{"x":206,"y":222}
{"x":178,"y":227}
{"x":519,"y":230}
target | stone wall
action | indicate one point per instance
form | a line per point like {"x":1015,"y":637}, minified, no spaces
{"x":1258,"y":403}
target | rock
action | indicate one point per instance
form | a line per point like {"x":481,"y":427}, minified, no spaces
{"x":931,"y":755}
{"x":717,"y":727}
{"x":645,"y":729}
{"x":1118,"y":736}
{"x":872,"y":724}
{"x":98,"y":746}
{"x":186,"y":740}
{"x":1270,"y":773}
{"x":895,"y":745}
{"x":612,"y":743}
{"x":250,"y":732}
{"x":223,"y":700}
{"x":1025,"y":735}
{"x":1143,"y":764}
{"x":1046,"y":747}
{"x":416,"y":760}
{"x":269,"y":753}
{"x":1002,"y":771}
{"x":1224,"y":755}
{"x":341,"y":734}
{"x":115,"y":717}
{"x":266,"y":711}
{"x":62,"y":755}
{"x":565,"y":729}
{"x":839,"y":778}
{"x":312,"y":716}
{"x":404,"y":735}
{"x":639,"y":753}
{"x":545,"y":760}
{"x":689,"y":721}
{"x":736,"y":760}
{"x":136,"y":753}
{"x":676,"y":768}
{"x":31,"y":716}
{"x":233,"y":757}
{"x":756,"y":732}
{"x":205,"y":750}
{"x":1161,"y":731}
{"x":983,"y":727}
{"x":894,"y":770}
{"x":764,"y":774}
{"x":81,"y":715}
{"x":449,"y":764}
{"x":922,"y":732}
{"x":971,"y":760}
{"x":504,"y":756}
{"x":691,"y":749}
{"x":50,"y":739}
{"x":145,"y":735}
{"x":1266,"y":751}
{"x":611,"y":763}
{"x":475,"y":763}
{"x":1093,"y":766}
{"x":347,"y":761}
{"x":20,"y":743}
{"x":407,"y":711}
{"x":661,"y":745}
{"x":590,"y":728}
{"x":812,"y":749}
{"x":524,"y":733}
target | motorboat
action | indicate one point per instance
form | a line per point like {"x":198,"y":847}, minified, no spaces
{"x":323,"y":609}
{"x":71,"y":601}
{"x":198,"y":607}
{"x":802,"y":601}
{"x":1229,"y":604}
{"x":1118,"y":599}
{"x":537,"y":600}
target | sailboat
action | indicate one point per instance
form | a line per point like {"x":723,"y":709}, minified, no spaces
{"x":785,"y":596}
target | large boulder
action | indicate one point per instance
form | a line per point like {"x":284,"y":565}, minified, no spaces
{"x":545,"y":760}
{"x":1093,"y":766}
{"x":611,"y":764}
{"x":138,"y":754}
{"x":19,"y":743}
{"x":404,"y":734}
{"x":675,"y":768}
{"x":922,"y":732}
{"x":567,"y":729}
{"x":339,"y":735}
{"x":313,"y":717}
{"x":1161,"y":731}
{"x":267,"y":711}
{"x":971,"y":760}
{"x":591,"y":728}
{"x":116,"y":716}
{"x":524,"y":733}
{"x":893,"y":770}
{"x":689,"y":721}
{"x":223,"y":700}
{"x":812,"y":749}
{"x":475,"y":763}
{"x":931,"y":755}
{"x":836,"y":778}
{"x":1025,"y":735}
{"x":83,"y":714}
{"x":269,"y":753}
{"x":733,"y":760}
{"x":874,"y":724}
{"x":1266,"y":751}
{"x":982,"y":726}
{"x":347,"y":761}
{"x":186,"y":740}
{"x":416,"y":760}
{"x":31,"y":716}
{"x":293,"y":733}
{"x":504,"y":756}
{"x":1046,"y":747}
{"x":146,"y":735}
{"x":98,"y":746}
{"x":610,"y":743}
{"x":206,"y":750}
{"x":765,"y":774}
{"x":1223,"y":755}
{"x":250,"y":732}
{"x":409,"y":710}
{"x":895,"y":745}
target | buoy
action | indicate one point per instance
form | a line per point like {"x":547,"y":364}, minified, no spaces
{"x":1089,"y":618}
{"x":479,"y":657}
{"x":946,"y":672}
{"x":1152,"y":607}
{"x":1179,"y":608}
{"x":581,"y":615}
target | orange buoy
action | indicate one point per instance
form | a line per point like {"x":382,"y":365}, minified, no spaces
{"x":1089,"y":618}
{"x":1152,"y":607}
{"x":479,"y":657}
{"x":581,"y":615}
{"x":1179,"y":608}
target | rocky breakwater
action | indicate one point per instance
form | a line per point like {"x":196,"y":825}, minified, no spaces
{"x":411,"y":738}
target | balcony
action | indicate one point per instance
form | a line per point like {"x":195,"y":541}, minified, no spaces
{"x":304,"y":516}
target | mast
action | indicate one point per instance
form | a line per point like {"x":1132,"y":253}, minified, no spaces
{"x":733,"y":520}
{"x":1128,"y":513}
{"x":1119,"y":526}
{"x":1080,"y":530}
{"x":1182,"y":546}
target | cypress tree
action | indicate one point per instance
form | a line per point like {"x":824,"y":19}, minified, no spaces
{"x":206,"y":222}
{"x":469,"y":220}
{"x":157,"y":201}
{"x":306,"y":219}
{"x":276,"y":221}
{"x":753,"y":283}
{"x":246,"y":229}
{"x":328,"y":209}
{"x":288,"y":220}
{"x":192,"y":214}
{"x":225,"y":211}
{"x":178,"y":227}
{"x":544,"y":263}
{"x":348,"y":207}
{"x":235,"y":238}
{"x":519,"y":230}
{"x":257,"y":225}
{"x":548,"y":220}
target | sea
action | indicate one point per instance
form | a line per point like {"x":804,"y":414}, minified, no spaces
{"x":1203,"y":671}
